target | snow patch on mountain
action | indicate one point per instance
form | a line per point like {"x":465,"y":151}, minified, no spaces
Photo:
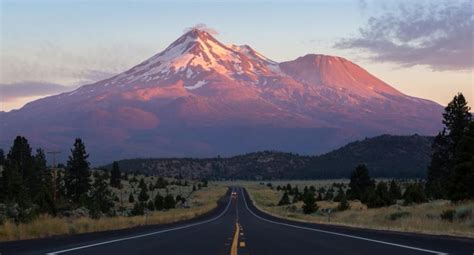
{"x":197,"y":85}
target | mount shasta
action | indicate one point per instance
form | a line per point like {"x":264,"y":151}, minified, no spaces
{"x":200,"y":97}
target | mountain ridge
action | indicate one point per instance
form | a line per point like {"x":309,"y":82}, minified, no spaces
{"x":386,"y":156}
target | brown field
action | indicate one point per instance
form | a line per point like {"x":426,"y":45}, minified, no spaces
{"x":421,"y":218}
{"x":200,"y":202}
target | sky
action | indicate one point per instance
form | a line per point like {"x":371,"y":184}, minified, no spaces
{"x":422,"y":48}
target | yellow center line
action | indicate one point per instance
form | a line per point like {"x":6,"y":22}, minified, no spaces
{"x":233,"y":248}
{"x":242,"y":244}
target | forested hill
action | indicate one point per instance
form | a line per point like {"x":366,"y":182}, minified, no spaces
{"x":386,"y":156}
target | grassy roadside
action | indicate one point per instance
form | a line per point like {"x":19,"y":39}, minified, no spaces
{"x":421,"y":218}
{"x":200,"y":202}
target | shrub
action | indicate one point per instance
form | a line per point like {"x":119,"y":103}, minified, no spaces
{"x":448,"y":215}
{"x":398,"y":215}
{"x":463,"y":213}
{"x":343,"y":205}
{"x":414,"y":193}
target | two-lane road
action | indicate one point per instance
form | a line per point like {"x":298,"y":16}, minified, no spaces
{"x":237,"y":227}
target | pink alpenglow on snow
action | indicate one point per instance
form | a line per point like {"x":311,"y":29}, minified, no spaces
{"x":200,"y":97}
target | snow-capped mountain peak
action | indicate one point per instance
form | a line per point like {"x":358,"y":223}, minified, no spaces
{"x":194,"y":53}
{"x":202,"y":97}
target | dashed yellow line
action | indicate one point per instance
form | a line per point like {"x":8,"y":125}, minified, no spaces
{"x":242,"y":245}
{"x":235,"y":241}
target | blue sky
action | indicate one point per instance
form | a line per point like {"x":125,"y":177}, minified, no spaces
{"x":70,"y":43}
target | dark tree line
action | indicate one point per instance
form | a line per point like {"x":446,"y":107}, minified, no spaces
{"x":451,"y":171}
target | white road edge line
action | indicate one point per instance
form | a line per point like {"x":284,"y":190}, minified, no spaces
{"x":143,"y":235}
{"x":340,"y":234}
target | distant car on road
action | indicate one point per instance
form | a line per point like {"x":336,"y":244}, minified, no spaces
{"x":233,"y":194}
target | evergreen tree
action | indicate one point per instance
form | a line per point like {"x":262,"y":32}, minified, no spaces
{"x":142,"y":185}
{"x":329,"y":195}
{"x":309,"y":205}
{"x":296,"y":198}
{"x":379,"y":196}
{"x":414,"y":193}
{"x":461,"y":182}
{"x":77,"y":179}
{"x":340,"y":195}
{"x":131,"y":198}
{"x":161,"y":183}
{"x":150,"y":206}
{"x":18,"y":174}
{"x":320,"y":197}
{"x":169,"y":202}
{"x":138,"y":209}
{"x":44,"y":197}
{"x":360,"y":183}
{"x":159,"y":202}
{"x":343,"y":204}
{"x":456,"y":119}
{"x":285,"y":199}
{"x":101,"y":200}
{"x":394,"y":190}
{"x":115,"y":176}
{"x":2,"y":157}
{"x":143,"y":195}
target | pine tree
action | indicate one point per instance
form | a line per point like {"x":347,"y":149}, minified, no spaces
{"x":131,"y":198}
{"x":329,"y":195}
{"x":414,"y":193}
{"x":150,"y":205}
{"x":379,"y":196}
{"x":101,"y":200}
{"x":159,"y":202}
{"x":142,"y":185}
{"x":394,"y":190}
{"x":44,"y":197}
{"x":461,"y":182}
{"x":340,"y":195}
{"x":343,"y":204}
{"x":138,"y":209}
{"x":169,"y":202}
{"x":456,"y":119}
{"x":2,"y":157}
{"x":77,"y":179}
{"x":309,"y":205}
{"x":161,"y":183}
{"x":18,"y":174}
{"x":115,"y":176}
{"x":143,"y":195}
{"x":285,"y":199}
{"x":360,"y":183}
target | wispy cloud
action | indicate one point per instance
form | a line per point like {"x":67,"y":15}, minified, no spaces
{"x":203,"y":27}
{"x":13,"y":91}
{"x":436,"y":33}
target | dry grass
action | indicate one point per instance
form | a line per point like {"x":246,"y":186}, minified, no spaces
{"x":201,"y":202}
{"x":422,"y":218}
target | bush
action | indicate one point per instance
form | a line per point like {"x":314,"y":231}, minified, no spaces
{"x":343,"y":205}
{"x":414,"y":193}
{"x":463,"y":213}
{"x":448,"y":215}
{"x":398,"y":215}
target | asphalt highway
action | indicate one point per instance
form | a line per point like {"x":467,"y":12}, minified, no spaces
{"x":238,"y":227}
